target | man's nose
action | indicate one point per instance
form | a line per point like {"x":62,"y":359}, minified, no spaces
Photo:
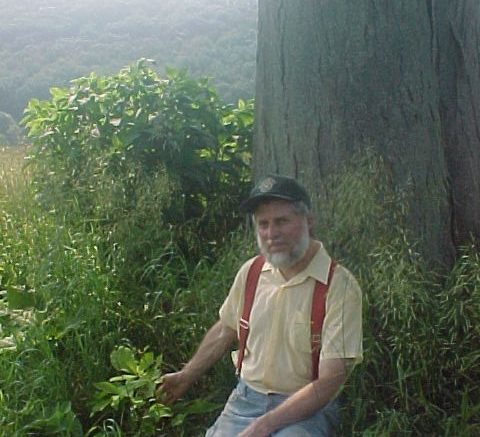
{"x":272,"y":231}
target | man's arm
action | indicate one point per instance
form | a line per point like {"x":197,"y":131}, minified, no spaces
{"x":303,"y":403}
{"x":215,"y":343}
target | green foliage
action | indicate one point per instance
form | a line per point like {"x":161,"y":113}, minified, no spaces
{"x":101,"y":283}
{"x":361,"y":210}
{"x":59,"y":420}
{"x":87,"y":247}
{"x":132,"y":395}
{"x":152,"y":170}
{"x":420,"y":330}
{"x":106,"y":136}
{"x":45,"y":46}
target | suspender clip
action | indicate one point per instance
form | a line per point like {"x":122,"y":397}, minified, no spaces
{"x":244,"y":323}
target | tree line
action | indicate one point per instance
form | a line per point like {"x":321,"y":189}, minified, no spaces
{"x":45,"y":44}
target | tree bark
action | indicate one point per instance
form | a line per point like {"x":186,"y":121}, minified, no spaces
{"x":458,"y":37}
{"x":401,"y":77}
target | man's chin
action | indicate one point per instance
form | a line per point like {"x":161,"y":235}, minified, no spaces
{"x":280,"y":260}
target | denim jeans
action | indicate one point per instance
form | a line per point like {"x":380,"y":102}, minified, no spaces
{"x":245,"y":405}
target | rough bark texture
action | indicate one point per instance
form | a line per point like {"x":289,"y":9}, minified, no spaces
{"x":402,"y":77}
{"x":458,"y":39}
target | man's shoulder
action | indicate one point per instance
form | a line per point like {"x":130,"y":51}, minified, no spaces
{"x":344,"y":280}
{"x":242,"y":272}
{"x":245,"y":267}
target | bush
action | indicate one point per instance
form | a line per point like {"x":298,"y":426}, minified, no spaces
{"x":97,"y":142}
{"x":129,"y":174}
{"x":152,"y":169}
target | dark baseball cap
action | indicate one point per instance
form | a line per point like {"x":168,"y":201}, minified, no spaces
{"x":275,"y":186}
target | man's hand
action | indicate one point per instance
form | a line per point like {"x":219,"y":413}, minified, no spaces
{"x":172,"y":387}
{"x":215,"y":343}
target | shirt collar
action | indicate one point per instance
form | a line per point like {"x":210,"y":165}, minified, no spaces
{"x":318,"y":268}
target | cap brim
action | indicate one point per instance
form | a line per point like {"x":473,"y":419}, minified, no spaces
{"x":251,"y":204}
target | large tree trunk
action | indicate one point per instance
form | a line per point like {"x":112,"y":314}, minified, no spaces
{"x":401,"y":77}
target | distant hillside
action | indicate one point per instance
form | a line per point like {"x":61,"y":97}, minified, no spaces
{"x":10,"y":133}
{"x":45,"y":43}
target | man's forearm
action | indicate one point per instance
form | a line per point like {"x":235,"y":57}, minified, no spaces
{"x":302,"y":404}
{"x":216,"y":342}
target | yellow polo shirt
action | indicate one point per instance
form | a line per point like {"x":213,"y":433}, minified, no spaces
{"x":278,"y":352}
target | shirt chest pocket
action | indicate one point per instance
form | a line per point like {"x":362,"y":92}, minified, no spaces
{"x":300,"y":333}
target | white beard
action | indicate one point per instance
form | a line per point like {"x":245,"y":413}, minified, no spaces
{"x":282,"y":260}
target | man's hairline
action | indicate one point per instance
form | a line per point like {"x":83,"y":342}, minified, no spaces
{"x":299,"y":207}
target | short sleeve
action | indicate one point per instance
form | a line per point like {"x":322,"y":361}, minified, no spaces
{"x":231,"y":309}
{"x":342,"y":330}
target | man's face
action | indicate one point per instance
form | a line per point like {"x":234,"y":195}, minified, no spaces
{"x":282,"y":233}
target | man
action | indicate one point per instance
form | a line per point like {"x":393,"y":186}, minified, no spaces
{"x":276,"y":395}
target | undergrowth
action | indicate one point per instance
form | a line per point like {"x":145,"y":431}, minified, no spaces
{"x":76,"y":288}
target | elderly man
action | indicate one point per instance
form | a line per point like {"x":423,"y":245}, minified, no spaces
{"x":297,"y":315}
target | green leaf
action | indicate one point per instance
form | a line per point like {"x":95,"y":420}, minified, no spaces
{"x":159,"y":411}
{"x":198,"y":406}
{"x":132,"y":386}
{"x":123,"y":359}
{"x":146,"y":361}
{"x":178,"y":419}
{"x":108,"y":387}
{"x":127,"y":377}
{"x":99,"y":404}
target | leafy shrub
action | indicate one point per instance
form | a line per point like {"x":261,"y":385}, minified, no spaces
{"x":420,"y":330}
{"x":110,"y":133}
{"x":130,"y":173}
{"x":132,"y":395}
{"x":152,"y":168}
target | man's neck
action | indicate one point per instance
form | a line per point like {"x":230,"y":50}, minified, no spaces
{"x":289,"y":272}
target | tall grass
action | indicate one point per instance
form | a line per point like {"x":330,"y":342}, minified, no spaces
{"x":80,"y":286}
{"x":420,"y":329}
{"x":89,"y":284}
{"x":62,"y":348}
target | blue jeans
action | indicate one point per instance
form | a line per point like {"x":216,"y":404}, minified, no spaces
{"x":245,"y":405}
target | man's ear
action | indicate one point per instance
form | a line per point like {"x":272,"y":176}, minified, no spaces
{"x":310,"y":223}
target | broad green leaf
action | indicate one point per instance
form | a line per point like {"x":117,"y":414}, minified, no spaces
{"x":198,"y":406}
{"x":108,"y":387}
{"x":123,"y":359}
{"x":178,"y":419}
{"x":122,"y":378}
{"x":159,"y":411}
{"x":134,"y":385}
{"x":146,"y":361}
{"x":100,"y":404}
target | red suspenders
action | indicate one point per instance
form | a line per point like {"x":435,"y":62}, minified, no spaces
{"x":250,"y":289}
{"x":316,"y":318}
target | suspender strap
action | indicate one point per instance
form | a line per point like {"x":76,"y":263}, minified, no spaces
{"x":316,"y":320}
{"x":250,"y":289}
